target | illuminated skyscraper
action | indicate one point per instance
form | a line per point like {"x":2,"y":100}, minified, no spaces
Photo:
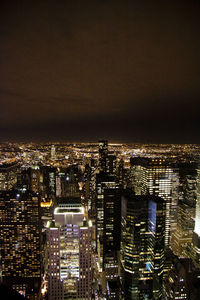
{"x":144,"y":247}
{"x":196,"y":235}
{"x":111,"y":163}
{"x":20,"y":241}
{"x":154,"y":177}
{"x":138,"y":175}
{"x":35,"y":179}
{"x":182,"y":236}
{"x":69,"y":254}
{"x":107,"y":210}
{"x":48,"y":184}
{"x":103,"y":152}
{"x":67,"y":182}
{"x":111,"y":232}
{"x":121,"y":173}
{"x":108,"y":227}
{"x":8,"y":176}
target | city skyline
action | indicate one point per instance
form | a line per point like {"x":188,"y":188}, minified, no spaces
{"x":81,"y":71}
{"x":99,"y":221}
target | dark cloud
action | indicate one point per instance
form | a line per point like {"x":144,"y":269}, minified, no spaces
{"x":84,"y":69}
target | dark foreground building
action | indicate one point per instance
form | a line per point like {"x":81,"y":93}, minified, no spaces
{"x":144,"y":247}
{"x":20,"y":242}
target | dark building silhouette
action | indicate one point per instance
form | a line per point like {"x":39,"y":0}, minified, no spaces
{"x":108,"y":225}
{"x":182,"y":280}
{"x":67,"y":180}
{"x":103,"y":153}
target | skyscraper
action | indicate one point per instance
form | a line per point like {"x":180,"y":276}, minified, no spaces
{"x":35,"y":179}
{"x":8,"y":175}
{"x":108,"y":227}
{"x":144,"y":247}
{"x":154,"y":177}
{"x":182,"y":236}
{"x":195,"y":253}
{"x":107,"y":197}
{"x":69,"y":254}
{"x":20,"y":241}
{"x":103,"y":152}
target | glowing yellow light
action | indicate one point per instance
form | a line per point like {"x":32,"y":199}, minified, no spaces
{"x":46,"y":204}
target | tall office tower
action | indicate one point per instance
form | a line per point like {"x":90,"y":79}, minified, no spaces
{"x":86,"y":186}
{"x":144,"y":247}
{"x":89,"y":186}
{"x":154,"y":177}
{"x":175,"y":197}
{"x":67,"y":180}
{"x":69,"y":254}
{"x":159,"y":183}
{"x":111,"y":163}
{"x":53,"y":152}
{"x":92,"y":197}
{"x":48,"y":187}
{"x":107,"y":194}
{"x":35,"y":180}
{"x":121,"y":173}
{"x":182,"y":236}
{"x":52,"y":182}
{"x":60,"y":182}
{"x":103,"y":153}
{"x":195,"y":246}
{"x":72,"y":181}
{"x":8,"y":176}
{"x":108,"y":224}
{"x":123,"y":229}
{"x":20,"y":241}
{"x":111,"y":232}
{"x":24,"y":178}
{"x":138,"y":175}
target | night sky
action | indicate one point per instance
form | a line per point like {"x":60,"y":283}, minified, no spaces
{"x":128,"y":71}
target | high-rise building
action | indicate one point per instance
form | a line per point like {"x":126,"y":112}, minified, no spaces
{"x":182,"y":281}
{"x":35,"y":179}
{"x":67,"y":180}
{"x":144,"y":247}
{"x":182,"y":236}
{"x":108,"y":227}
{"x":154,"y":177}
{"x":111,"y":232}
{"x":107,"y":197}
{"x":69,"y":254}
{"x":138,"y":175}
{"x":103,"y":153}
{"x":121,"y":173}
{"x":8,"y":175}
{"x":90,"y":186}
{"x":20,"y":241}
{"x":48,"y":184}
{"x":111,"y":163}
{"x":195,"y":246}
